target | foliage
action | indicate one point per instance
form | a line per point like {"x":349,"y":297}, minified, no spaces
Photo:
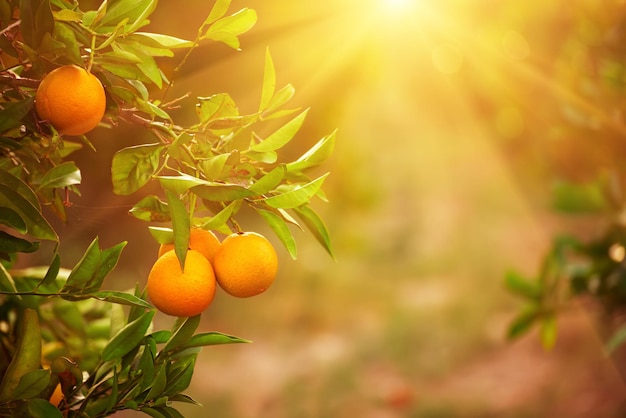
{"x":585,"y":155}
{"x":100,"y":345}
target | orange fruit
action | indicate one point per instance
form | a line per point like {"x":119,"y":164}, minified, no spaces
{"x":201,"y":240}
{"x":71,"y":99}
{"x":179,"y":292}
{"x":245,"y":264}
{"x":57,"y":395}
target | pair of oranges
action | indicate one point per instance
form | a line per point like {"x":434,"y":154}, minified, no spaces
{"x":243,"y":265}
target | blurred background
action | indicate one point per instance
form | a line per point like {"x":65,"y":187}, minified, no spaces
{"x":454,"y":121}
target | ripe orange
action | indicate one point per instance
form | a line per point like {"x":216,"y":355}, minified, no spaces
{"x":181,"y":293}
{"x":57,"y":395}
{"x":201,"y":240}
{"x":71,"y":99}
{"x":245,"y":264}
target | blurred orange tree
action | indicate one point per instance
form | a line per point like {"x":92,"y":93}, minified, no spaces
{"x":57,"y":326}
{"x":581,"y":138}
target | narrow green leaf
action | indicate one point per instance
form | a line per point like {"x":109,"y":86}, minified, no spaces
{"x":159,"y":383}
{"x":120,"y":298}
{"x":63,"y":175}
{"x":179,"y":376}
{"x":151,"y":209}
{"x":12,"y":114}
{"x":280,"y":98}
{"x":180,"y":225}
{"x":282,"y":135}
{"x":41,"y":408}
{"x":12,"y":219}
{"x":298,"y":196}
{"x":269,"y":81}
{"x":220,"y":192}
{"x":523,"y":287}
{"x":228,"y":28}
{"x":270,"y":181}
{"x":183,"y":333}
{"x":316,"y":225}
{"x":127,"y":338}
{"x":280,"y":228}
{"x":162,"y":235}
{"x":179,"y":184}
{"x":52,"y":273}
{"x":218,"y":11}
{"x":32,"y":384}
{"x":133,"y":167}
{"x":315,"y":156}
{"x":6,"y":281}
{"x":522,"y":323}
{"x":166,"y":41}
{"x":37,"y":20}
{"x":549,"y":331}
{"x":19,"y":186}
{"x":220,"y":219}
{"x":211,"y":338}
{"x":13,"y":244}
{"x":617,"y":339}
{"x":36,"y":224}
{"x":86,"y":267}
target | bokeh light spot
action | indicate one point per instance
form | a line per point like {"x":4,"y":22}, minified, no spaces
{"x":515,"y":45}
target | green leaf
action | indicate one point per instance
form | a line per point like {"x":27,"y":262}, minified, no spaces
{"x":133,"y":167}
{"x":157,"y":39}
{"x":31,"y":215}
{"x":92,"y":268}
{"x":12,"y":244}
{"x":41,"y":408}
{"x":579,"y":198}
{"x":6,"y":281}
{"x":32,"y":384}
{"x":12,"y":219}
{"x":185,"y":330}
{"x":522,"y":323}
{"x":211,"y":338}
{"x":270,"y":181}
{"x":151,"y":209}
{"x":228,"y":28}
{"x":52,"y":273}
{"x":220,"y":219}
{"x":220,"y":192}
{"x":216,"y":107}
{"x":297,"y":196}
{"x":523,"y":287}
{"x":180,"y":225}
{"x":119,"y":11}
{"x":219,"y":10}
{"x":127,"y":338}
{"x":617,"y":339}
{"x":159,"y":383}
{"x":179,"y":184}
{"x":20,"y":187}
{"x":280,"y":228}
{"x":269,"y":81}
{"x":280,"y":98}
{"x":315,"y":156}
{"x":281,"y":136}
{"x":37,"y":20}
{"x":162,"y":235}
{"x":120,"y":298}
{"x":63,"y":175}
{"x":180,"y":374}
{"x":548,"y":331}
{"x":316,"y":225}
{"x":13,"y":114}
